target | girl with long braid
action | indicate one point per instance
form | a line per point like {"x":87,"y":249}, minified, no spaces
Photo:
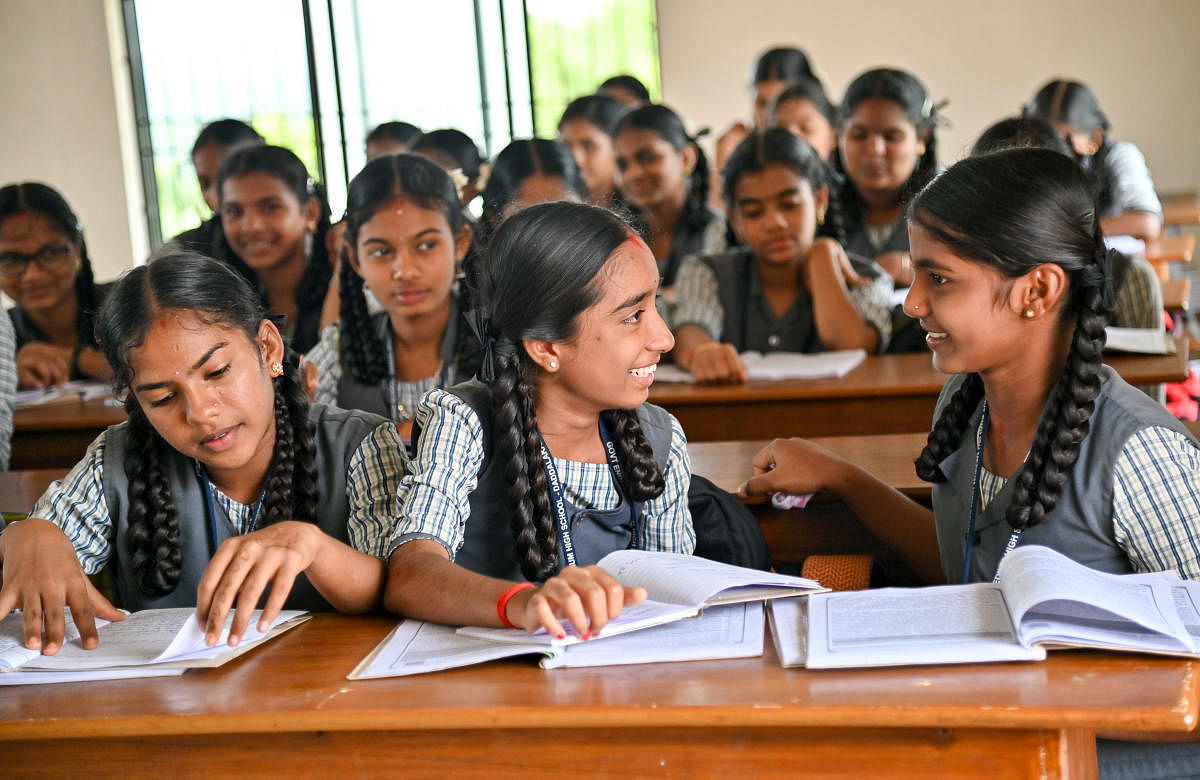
{"x":1035,"y":440}
{"x":406,"y":239}
{"x":223,"y":481}
{"x":525,"y":479}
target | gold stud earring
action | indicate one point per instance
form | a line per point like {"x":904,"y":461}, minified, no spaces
{"x":276,"y":369}
{"x":1028,"y":313}
{"x":821,"y":217}
{"x":920,"y":150}
{"x":553,"y":365}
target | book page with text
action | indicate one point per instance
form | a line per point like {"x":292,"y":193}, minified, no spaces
{"x":691,"y":580}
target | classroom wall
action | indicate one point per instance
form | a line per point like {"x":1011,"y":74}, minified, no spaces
{"x":60,"y":121}
{"x":988,"y":58}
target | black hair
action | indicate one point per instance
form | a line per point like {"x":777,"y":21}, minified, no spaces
{"x":630,"y":84}
{"x":516,"y":163}
{"x":806,"y":89}
{"x":1074,"y":104}
{"x":602,"y":111}
{"x":46,"y":202}
{"x":907,"y":92}
{"x":284,"y":165}
{"x":184,"y":281}
{"x":383,"y":180}
{"x":454,"y":144}
{"x":226,"y":133}
{"x":1015,"y":132}
{"x":667,"y":125}
{"x":542,"y":269}
{"x":776,"y":146}
{"x":1014,"y":210}
{"x":400,"y":132}
{"x":785,"y":63}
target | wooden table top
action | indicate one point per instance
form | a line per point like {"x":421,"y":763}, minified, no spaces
{"x":95,"y":414}
{"x":20,"y":490}
{"x":297,"y":683}
{"x":1171,"y":249}
{"x":1181,"y":213}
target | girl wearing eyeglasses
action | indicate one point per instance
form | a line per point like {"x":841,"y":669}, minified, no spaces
{"x":45,"y":270}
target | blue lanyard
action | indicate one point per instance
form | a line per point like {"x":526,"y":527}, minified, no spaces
{"x":211,"y":509}
{"x":559,"y":502}
{"x":1014,"y":539}
{"x":398,"y":412}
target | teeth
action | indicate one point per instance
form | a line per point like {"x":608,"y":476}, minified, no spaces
{"x":933,"y":335}
{"x":644,"y":370}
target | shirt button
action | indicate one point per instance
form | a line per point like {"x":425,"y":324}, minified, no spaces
{"x":773,"y":340}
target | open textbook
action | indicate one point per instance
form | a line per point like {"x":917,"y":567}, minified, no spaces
{"x":782,"y":365}
{"x":414,"y":647}
{"x":1043,"y":600}
{"x":144,"y":644}
{"x":1144,"y":341}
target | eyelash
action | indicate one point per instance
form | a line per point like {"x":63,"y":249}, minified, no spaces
{"x":636,"y":317}
{"x":220,"y":372}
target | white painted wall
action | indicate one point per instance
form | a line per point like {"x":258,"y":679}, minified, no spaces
{"x":1140,"y":57}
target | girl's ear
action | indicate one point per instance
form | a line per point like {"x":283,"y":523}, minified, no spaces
{"x":1040,"y":291}
{"x":270,"y":343}
{"x":312,"y":214}
{"x":462,"y":242}
{"x":821,"y":203}
{"x":544,"y":353}
{"x":690,"y":159}
{"x":1095,"y":140}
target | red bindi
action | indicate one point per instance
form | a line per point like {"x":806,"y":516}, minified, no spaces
{"x":637,"y":240}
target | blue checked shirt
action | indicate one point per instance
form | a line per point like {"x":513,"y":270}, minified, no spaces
{"x":435,"y":493}
{"x":1156,"y":501}
{"x":76,"y":503}
{"x":8,"y":386}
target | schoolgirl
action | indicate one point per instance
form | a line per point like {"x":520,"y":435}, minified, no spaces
{"x":587,"y":127}
{"x":786,"y":290}
{"x":390,"y":138}
{"x":275,"y":220}
{"x":46,"y":271}
{"x":214,"y":143}
{"x":628,"y":90}
{"x":406,"y":239}
{"x":224,"y":479}
{"x":663,"y":175}
{"x":534,"y":170}
{"x":1035,"y":440}
{"x":1129,"y":206}
{"x":459,"y":156}
{"x":887,"y":144}
{"x":803,"y":109}
{"x":554,"y":459}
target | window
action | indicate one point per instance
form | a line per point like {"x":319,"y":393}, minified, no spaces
{"x":316,"y":77}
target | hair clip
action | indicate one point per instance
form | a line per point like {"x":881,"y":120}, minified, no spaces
{"x":460,"y":181}
{"x":485,"y":173}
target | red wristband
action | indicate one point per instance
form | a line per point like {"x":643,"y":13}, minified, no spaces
{"x":502,"y":602}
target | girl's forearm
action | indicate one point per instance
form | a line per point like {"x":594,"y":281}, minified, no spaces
{"x":423,"y":583}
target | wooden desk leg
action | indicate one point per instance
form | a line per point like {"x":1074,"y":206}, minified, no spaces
{"x":554,"y":751}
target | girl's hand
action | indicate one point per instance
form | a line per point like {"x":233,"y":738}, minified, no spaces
{"x":899,"y":266}
{"x":41,"y":577}
{"x":587,"y":596}
{"x":729,"y":141}
{"x":792,"y":466}
{"x":243,"y":568}
{"x":827,"y":255}
{"x":718,"y":363}
{"x":40,"y":365}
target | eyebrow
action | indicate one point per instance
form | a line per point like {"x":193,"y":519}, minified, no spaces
{"x":414,"y":236}
{"x":634,"y":300}
{"x":196,"y":367}
{"x":781,"y":194}
{"x":929,"y":264}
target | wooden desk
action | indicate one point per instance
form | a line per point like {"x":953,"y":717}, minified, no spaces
{"x":58,"y":435}
{"x":20,"y":490}
{"x":885,"y":394}
{"x":286,"y":708}
{"x":1177,"y":295}
{"x":1161,"y":252}
{"x":1181,"y":212}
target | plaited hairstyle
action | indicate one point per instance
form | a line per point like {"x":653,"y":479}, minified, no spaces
{"x":1073,"y":103}
{"x":907,"y":92}
{"x":383,"y":180}
{"x":1014,"y":210}
{"x":541,"y":271}
{"x":517,"y":162}
{"x":285,"y":166}
{"x":776,"y":146}
{"x":47,"y":203}
{"x":667,"y":125}
{"x":210,"y":290}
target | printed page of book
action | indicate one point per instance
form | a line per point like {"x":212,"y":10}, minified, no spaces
{"x":14,"y":653}
{"x":797,"y":365}
{"x":1056,"y":600}
{"x":695,"y":581}
{"x":416,"y":647}
{"x":730,"y":631}
{"x":124,"y":673}
{"x":632,"y":618}
{"x":910,"y":626}
{"x":1143,"y":341}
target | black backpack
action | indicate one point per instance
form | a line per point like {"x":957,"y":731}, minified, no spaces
{"x":726,"y":530}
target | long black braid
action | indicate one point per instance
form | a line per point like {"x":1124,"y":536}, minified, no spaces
{"x":182,"y":281}
{"x":1014,"y":210}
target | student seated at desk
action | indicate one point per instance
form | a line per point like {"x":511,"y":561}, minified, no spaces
{"x":1034,"y":440}
{"x":587,"y":127}
{"x":407,"y":236}
{"x":555,"y":459}
{"x":46,"y":271}
{"x":223,"y":481}
{"x":458,"y":155}
{"x":787,"y":290}
{"x":1129,"y":205}
{"x":529,"y":171}
{"x":804,"y":110}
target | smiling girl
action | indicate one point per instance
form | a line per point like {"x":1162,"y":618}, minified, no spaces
{"x":560,"y":419}
{"x":275,"y":221}
{"x":406,"y":237}
{"x":45,"y":270}
{"x":223,"y":481}
{"x":1035,"y":440}
{"x":586,"y":127}
{"x":787,"y":290}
